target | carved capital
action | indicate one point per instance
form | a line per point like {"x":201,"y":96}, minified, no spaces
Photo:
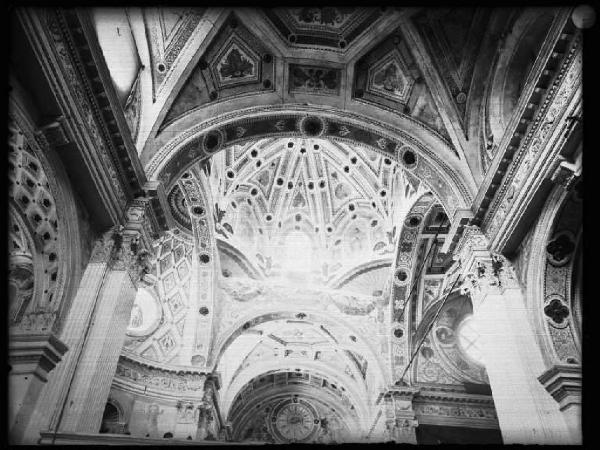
{"x":489,"y":275}
{"x":125,"y":253}
{"x":482,"y":271}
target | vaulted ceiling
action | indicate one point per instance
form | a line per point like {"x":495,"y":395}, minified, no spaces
{"x":330,"y":145}
{"x":409,"y":67}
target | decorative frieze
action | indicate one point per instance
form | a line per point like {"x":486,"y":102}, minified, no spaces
{"x":180,"y":382}
{"x":539,"y":146}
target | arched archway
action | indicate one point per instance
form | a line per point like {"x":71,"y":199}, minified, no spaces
{"x":309,"y":315}
{"x":551,"y":276}
{"x":424,"y":155}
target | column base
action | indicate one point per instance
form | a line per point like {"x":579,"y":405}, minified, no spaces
{"x":31,"y":358}
{"x":563,"y":382}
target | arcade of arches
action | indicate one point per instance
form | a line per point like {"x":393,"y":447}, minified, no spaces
{"x":316,"y":225}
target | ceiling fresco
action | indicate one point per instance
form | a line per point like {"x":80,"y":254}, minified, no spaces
{"x":389,"y":77}
{"x":453,"y":37}
{"x":333,"y":28}
{"x":236,"y":63}
{"x":168,"y":30}
{"x":327,"y":170}
{"x":330,"y":205}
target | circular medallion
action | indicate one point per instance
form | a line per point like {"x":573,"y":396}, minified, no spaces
{"x":294,"y":421}
{"x":312,"y":126}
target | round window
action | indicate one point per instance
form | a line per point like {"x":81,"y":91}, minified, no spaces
{"x":469,"y":339}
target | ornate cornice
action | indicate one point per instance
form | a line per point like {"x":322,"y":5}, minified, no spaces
{"x":35,"y":353}
{"x":454,"y":408}
{"x":92,"y":114}
{"x":564,"y":383}
{"x":526,"y":134}
{"x":182,"y":382}
{"x":157,"y":164}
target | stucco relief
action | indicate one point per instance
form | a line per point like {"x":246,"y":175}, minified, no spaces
{"x":72,"y":71}
{"x":159,"y":379}
{"x":536,"y":141}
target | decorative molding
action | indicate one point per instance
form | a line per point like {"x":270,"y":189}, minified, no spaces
{"x":316,"y":28}
{"x":528,"y":144}
{"x":34,"y":353}
{"x":156,"y":381}
{"x":563,"y":382}
{"x":314,"y":80}
{"x":345,"y":126}
{"x":52,"y":438}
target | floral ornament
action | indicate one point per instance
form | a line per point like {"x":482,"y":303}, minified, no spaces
{"x":314,"y":78}
{"x":324,"y":16}
{"x":236,"y":66}
{"x":560,"y":249}
{"x":556,"y":311}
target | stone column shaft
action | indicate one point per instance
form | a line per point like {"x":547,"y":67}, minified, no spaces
{"x":45,"y":416}
{"x":97,"y":366}
{"x":527,"y":414}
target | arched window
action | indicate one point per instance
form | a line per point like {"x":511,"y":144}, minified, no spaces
{"x":112,"y":420}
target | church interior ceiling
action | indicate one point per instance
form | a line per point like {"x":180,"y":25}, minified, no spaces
{"x":306,"y":233}
{"x":312,"y":159}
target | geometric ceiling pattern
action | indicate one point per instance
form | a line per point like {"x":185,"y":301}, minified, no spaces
{"x":308,"y":229}
{"x":310,"y":204}
{"x":388,"y":76}
{"x":235,"y":64}
{"x":334,"y":28}
{"x":453,"y":37}
{"x":168,"y":30}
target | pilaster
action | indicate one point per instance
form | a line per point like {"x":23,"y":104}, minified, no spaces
{"x":31,"y":358}
{"x":104,"y":336}
{"x":46,"y":414}
{"x":400,"y":417}
{"x":513,"y":360}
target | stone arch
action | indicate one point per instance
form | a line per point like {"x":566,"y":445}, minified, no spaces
{"x":246,"y":410}
{"x":257,"y":317}
{"x":553,"y":258}
{"x":403,"y":277}
{"x":425,"y":156}
{"x":452,"y":358}
{"x":361,"y":269}
{"x":52,"y":215}
{"x":512,"y":67}
{"x":24,"y":264}
{"x":358,"y":397}
{"x":112,"y":418}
